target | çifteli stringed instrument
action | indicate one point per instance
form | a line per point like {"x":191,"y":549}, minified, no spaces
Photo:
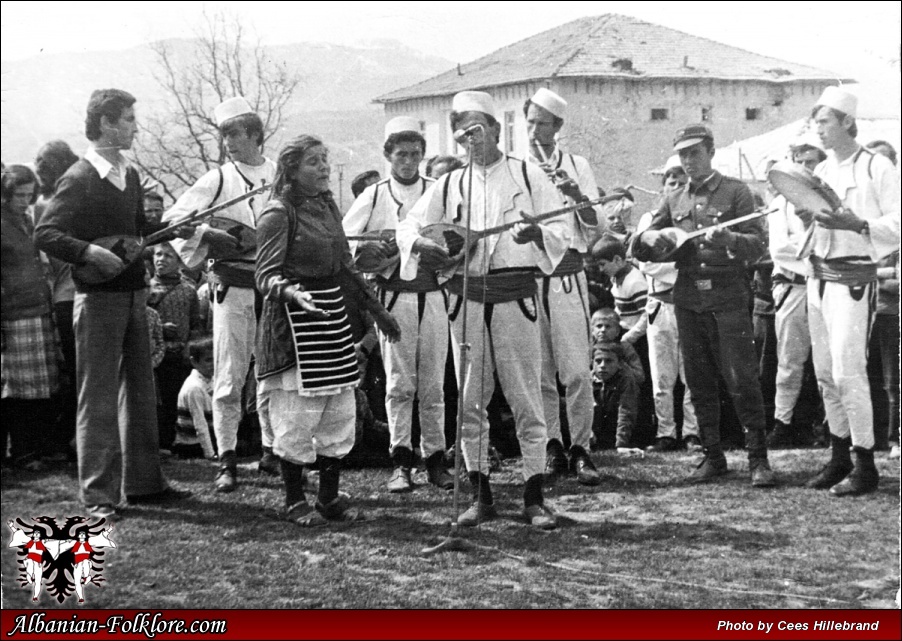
{"x":680,"y":237}
{"x":129,"y":248}
{"x":453,"y":237}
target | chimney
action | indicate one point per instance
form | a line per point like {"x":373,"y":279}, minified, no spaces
{"x":459,"y":72}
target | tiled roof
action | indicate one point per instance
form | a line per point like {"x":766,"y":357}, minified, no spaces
{"x":610,"y":46}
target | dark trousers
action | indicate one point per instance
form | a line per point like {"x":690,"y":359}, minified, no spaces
{"x":64,"y":430}
{"x":883,"y":372}
{"x":713,"y":342}
{"x":766,"y":349}
{"x":27,"y":423}
{"x":171,"y":374}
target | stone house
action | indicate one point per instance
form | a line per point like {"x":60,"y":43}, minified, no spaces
{"x":629,"y":84}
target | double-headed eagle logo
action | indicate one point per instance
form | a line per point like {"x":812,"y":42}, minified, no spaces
{"x":62,"y":559}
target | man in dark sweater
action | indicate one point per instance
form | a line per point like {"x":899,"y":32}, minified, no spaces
{"x":101,"y":195}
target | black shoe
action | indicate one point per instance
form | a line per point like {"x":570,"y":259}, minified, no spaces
{"x":711,"y":467}
{"x":781,"y":437}
{"x":837,"y":468}
{"x":864,"y":478}
{"x":831,"y":474}
{"x":436,"y":472}
{"x":169,"y":495}
{"x":664,"y":444}
{"x":583,"y":467}
{"x":555,"y":460}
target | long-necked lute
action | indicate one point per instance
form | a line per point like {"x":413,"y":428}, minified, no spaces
{"x":129,"y":248}
{"x":680,"y":237}
{"x":453,"y":237}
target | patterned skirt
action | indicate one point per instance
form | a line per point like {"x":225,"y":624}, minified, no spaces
{"x":29,"y":358}
{"x":326,"y":360}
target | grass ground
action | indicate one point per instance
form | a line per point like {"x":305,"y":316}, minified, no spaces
{"x":640,"y":540}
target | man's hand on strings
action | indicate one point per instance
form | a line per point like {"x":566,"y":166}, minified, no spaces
{"x":377,"y":251}
{"x":527,"y":231}
{"x":432,"y":255}
{"x":220,"y":243}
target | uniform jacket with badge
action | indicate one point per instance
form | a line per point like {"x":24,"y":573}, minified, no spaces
{"x":710,"y":277}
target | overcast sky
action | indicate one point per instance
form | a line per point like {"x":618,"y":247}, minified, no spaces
{"x":855,"y":39}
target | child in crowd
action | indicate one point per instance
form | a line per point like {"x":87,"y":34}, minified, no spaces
{"x":606,"y":328}
{"x":616,"y":397}
{"x":193,"y":428}
{"x":176,"y":301}
{"x":630,"y":292}
{"x":627,"y":285}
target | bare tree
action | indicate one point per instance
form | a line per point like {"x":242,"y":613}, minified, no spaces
{"x":180,"y":142}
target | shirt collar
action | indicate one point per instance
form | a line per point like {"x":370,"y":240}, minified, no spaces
{"x":102,"y":165}
{"x":711,"y":183}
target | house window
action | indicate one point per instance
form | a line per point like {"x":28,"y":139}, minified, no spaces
{"x":752,"y":113}
{"x":509,"y":131}
{"x":659,"y":114}
{"x":706,"y":114}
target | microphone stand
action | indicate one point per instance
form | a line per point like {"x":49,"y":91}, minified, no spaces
{"x":454,"y":541}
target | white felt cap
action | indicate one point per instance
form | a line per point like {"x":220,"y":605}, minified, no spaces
{"x":550,"y":102}
{"x":672,"y":163}
{"x":474,"y":101}
{"x":231,"y":108}
{"x":839,"y":99}
{"x":401,"y":123}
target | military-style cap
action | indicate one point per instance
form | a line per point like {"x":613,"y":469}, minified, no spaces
{"x":691,"y":135}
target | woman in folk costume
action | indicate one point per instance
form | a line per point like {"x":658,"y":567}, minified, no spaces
{"x":306,"y":357}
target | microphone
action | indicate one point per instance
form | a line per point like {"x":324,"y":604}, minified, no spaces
{"x":460,"y":134}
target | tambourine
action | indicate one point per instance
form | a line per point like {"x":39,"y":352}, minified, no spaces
{"x":802,"y":188}
{"x":805,"y":191}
